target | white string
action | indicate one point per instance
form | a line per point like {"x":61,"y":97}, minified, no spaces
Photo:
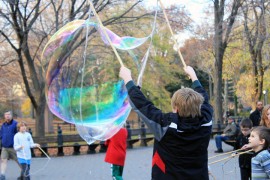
{"x":139,"y":80}
{"x":28,"y":165}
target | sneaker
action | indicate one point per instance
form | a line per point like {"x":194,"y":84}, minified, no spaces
{"x":2,"y":177}
{"x":219,"y":151}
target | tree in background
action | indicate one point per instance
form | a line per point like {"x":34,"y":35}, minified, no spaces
{"x":26,"y":27}
{"x":255,"y":29}
{"x":223,"y":28}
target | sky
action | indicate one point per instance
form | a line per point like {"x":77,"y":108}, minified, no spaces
{"x":194,"y":7}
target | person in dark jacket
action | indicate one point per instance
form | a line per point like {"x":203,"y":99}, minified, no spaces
{"x":255,"y":116}
{"x":241,"y":140}
{"x":7,"y":133}
{"x":181,"y":136}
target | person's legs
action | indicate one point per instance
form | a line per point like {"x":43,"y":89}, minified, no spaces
{"x":219,"y":139}
{"x":245,"y":174}
{"x":4,"y":158}
{"x":117,"y":172}
{"x":26,"y":175}
{"x":13,"y":156}
{"x":23,"y":170}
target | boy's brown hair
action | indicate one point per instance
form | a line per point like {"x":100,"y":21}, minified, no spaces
{"x":263,"y":133}
{"x":187,"y":102}
{"x":246,"y":123}
{"x":20,"y":124}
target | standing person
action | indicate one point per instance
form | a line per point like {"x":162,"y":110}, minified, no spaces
{"x":241,"y":140}
{"x":7,"y":133}
{"x":229,"y":132}
{"x":255,"y":116}
{"x":116,"y":153}
{"x":23,"y":141}
{"x":181,"y":136}
{"x":265,"y":120}
{"x":259,"y":141}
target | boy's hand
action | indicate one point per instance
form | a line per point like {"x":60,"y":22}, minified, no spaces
{"x":37,"y":145}
{"x":191,"y":73}
{"x":246,"y":146}
{"x":125,"y":74}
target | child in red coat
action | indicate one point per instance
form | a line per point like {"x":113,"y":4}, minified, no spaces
{"x":116,"y":153}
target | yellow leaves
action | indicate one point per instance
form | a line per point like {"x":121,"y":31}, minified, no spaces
{"x":26,"y":107}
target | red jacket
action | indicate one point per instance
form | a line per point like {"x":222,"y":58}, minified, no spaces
{"x":117,"y":145}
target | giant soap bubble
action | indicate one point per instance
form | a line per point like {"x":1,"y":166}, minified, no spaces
{"x":82,"y":84}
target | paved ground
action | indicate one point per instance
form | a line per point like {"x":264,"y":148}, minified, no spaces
{"x":92,"y":167}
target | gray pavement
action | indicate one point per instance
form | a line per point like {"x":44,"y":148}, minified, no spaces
{"x":88,"y":167}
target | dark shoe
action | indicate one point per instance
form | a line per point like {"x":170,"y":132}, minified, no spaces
{"x":20,"y":178}
{"x":2,"y":177}
{"x":219,"y":151}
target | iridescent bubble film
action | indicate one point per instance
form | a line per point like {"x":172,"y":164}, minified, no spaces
{"x":82,"y":83}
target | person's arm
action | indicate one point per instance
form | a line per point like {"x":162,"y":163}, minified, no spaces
{"x":1,"y":130}
{"x":237,"y":143}
{"x":15,"y":129}
{"x":152,"y":116}
{"x":17,"y":146}
{"x":32,"y":144}
{"x":206,"y":108}
{"x":266,"y":164}
{"x":233,"y":130}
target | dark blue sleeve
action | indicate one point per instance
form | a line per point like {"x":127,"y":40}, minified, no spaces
{"x":1,"y":132}
{"x":15,"y":128}
{"x":151,"y":115}
{"x":206,"y":108}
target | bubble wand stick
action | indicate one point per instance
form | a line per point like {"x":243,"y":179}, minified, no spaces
{"x":106,"y":35}
{"x":44,"y":152}
{"x":168,"y":23}
{"x":230,"y":152}
{"x":230,"y":156}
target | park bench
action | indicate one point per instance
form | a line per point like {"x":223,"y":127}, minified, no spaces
{"x":142,"y":135}
{"x":76,"y":142}
{"x":230,"y":142}
{"x":73,"y":141}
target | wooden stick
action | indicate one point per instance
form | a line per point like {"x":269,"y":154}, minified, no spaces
{"x":106,"y":35}
{"x":168,"y":23}
{"x":224,"y":153}
{"x":44,"y":152}
{"x":230,"y":157}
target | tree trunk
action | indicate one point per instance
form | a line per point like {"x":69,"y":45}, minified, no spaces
{"x":40,"y":125}
{"x":221,"y":38}
{"x":217,"y":94}
{"x":226,"y":98}
{"x":48,"y":121}
{"x":210,"y":87}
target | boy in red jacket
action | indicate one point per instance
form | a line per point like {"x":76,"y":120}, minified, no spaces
{"x":116,"y":153}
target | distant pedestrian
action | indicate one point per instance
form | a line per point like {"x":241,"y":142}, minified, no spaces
{"x":23,"y":141}
{"x":116,"y":153}
{"x":255,"y":116}
{"x":7,"y":133}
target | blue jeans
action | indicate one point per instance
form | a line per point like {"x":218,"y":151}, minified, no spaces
{"x":219,"y":140}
